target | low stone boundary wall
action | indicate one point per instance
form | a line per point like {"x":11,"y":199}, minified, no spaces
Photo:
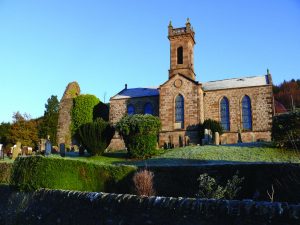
{"x":91,"y":208}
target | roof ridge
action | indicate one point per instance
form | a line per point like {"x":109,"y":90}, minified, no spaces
{"x":234,"y":78}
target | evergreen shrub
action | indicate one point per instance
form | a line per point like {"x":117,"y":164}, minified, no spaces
{"x":286,"y":130}
{"x":209,"y":187}
{"x":140,"y":134}
{"x":34,"y":172}
{"x":83,"y":110}
{"x":96,"y":136}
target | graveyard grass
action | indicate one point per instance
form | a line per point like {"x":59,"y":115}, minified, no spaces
{"x":202,"y":154}
{"x":233,"y":154}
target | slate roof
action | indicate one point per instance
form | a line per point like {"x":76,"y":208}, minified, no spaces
{"x":236,"y":83}
{"x":136,"y":92}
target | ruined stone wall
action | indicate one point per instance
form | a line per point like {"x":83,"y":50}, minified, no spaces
{"x":64,"y":117}
{"x":69,"y":207}
{"x":262,"y":111}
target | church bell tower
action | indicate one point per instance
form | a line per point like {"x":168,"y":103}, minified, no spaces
{"x":182,"y":50}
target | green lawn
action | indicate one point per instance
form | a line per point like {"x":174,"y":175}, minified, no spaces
{"x":231,"y":154}
{"x":195,"y":155}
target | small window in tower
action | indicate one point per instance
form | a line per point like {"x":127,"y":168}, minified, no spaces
{"x":180,"y":55}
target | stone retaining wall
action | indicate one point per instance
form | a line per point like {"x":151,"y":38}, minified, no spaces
{"x":66,"y":207}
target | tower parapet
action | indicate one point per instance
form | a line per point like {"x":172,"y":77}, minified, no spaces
{"x":182,"y":50}
{"x":187,"y":30}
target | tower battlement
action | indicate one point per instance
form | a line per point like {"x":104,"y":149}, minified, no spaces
{"x":187,"y":30}
{"x":182,"y":50}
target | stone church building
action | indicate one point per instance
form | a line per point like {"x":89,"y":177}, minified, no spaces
{"x":243,"y":105}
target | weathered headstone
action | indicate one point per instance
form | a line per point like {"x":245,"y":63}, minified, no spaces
{"x":217,"y":138}
{"x":16,"y":150}
{"x":187,"y":140}
{"x":42,"y":145}
{"x":253,"y":137}
{"x":62,"y":149}
{"x":209,"y":136}
{"x":239,"y":135}
{"x":1,"y":152}
{"x":48,"y":146}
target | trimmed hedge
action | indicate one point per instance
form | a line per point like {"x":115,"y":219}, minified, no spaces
{"x":83,"y":110}
{"x":5,"y":172}
{"x":96,"y":136}
{"x":140,"y":134}
{"x":31,"y":173}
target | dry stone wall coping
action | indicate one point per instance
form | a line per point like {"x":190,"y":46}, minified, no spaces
{"x":74,"y":207}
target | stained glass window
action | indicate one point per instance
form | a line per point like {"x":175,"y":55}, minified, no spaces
{"x":225,"y":119}
{"x":179,"y":109}
{"x":148,"y":109}
{"x":246,"y":113}
{"x":130,"y":109}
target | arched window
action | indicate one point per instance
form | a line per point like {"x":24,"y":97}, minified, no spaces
{"x":130,"y":109}
{"x":225,"y":119}
{"x":179,"y":55}
{"x":148,"y":109}
{"x":179,"y":109}
{"x":246,"y":113}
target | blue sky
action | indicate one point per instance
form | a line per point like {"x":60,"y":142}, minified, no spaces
{"x":102,"y":45}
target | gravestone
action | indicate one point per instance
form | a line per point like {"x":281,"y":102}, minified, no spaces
{"x":1,"y":152}
{"x":239,"y":135}
{"x":217,"y":138}
{"x":253,"y":137}
{"x":16,"y":150}
{"x":207,"y":137}
{"x":42,"y":145}
{"x":48,"y":146}
{"x":62,"y":149}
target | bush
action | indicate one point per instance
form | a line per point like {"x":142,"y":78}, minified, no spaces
{"x":31,"y":173}
{"x":286,"y":130}
{"x":143,"y":182}
{"x":83,"y":110}
{"x":208,"y":187}
{"x":96,"y":136}
{"x":5,"y":172}
{"x":213,"y":125}
{"x":140,"y":134}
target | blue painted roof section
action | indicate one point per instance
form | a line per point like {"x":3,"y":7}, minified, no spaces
{"x":136,"y":92}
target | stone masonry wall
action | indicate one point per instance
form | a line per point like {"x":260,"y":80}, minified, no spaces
{"x":118,"y":107}
{"x":80,"y":208}
{"x":191,"y":93}
{"x":262,"y":111}
{"x":64,"y":117}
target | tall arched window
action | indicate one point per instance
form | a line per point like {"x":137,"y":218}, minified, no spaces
{"x":179,"y":109}
{"x":148,"y":109}
{"x":246,"y":113}
{"x":130,"y":109}
{"x":225,"y":118}
{"x":179,"y":55}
